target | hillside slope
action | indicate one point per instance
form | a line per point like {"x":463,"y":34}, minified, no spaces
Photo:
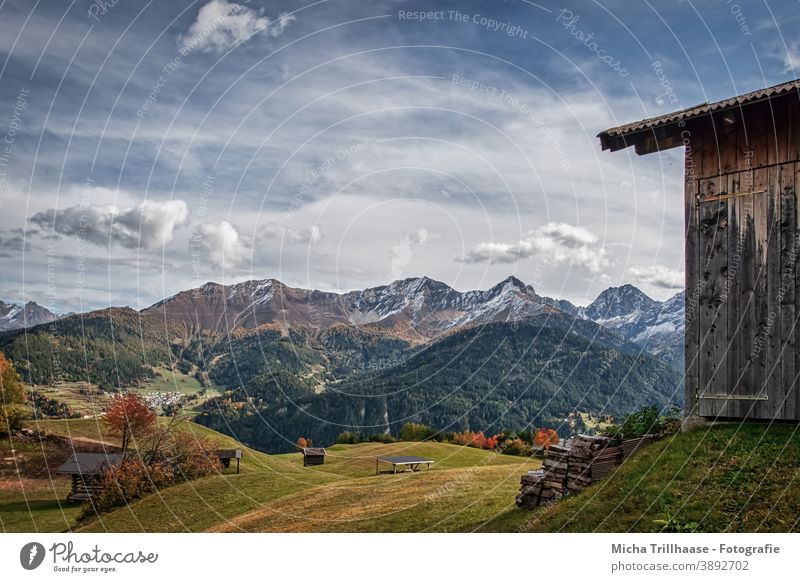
{"x":730,"y":477}
{"x":289,"y":496}
{"x":111,"y":348}
{"x":488,"y":378}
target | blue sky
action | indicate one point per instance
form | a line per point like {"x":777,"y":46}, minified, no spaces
{"x":153,"y":146}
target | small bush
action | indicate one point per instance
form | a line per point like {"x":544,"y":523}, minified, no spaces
{"x":516,"y":446}
{"x":384,"y":438}
{"x":648,"y":420}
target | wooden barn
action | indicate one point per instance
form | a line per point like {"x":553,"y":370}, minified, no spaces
{"x":313,"y":456}
{"x":742,"y":158}
{"x":86,"y":470}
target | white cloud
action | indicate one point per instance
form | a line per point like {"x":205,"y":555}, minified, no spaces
{"x":275,"y":231}
{"x":791,"y":58}
{"x":658,"y":276}
{"x":402,"y":252}
{"x":222,"y":244}
{"x":149,"y":224}
{"x":221,"y":25}
{"x":557,"y":243}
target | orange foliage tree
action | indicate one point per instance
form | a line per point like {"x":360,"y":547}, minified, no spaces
{"x":546,"y":437}
{"x":302,"y":443}
{"x":129,"y":418}
{"x":12,"y":397}
{"x":469,"y":438}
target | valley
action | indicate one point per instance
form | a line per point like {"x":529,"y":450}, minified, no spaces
{"x":267,"y":363}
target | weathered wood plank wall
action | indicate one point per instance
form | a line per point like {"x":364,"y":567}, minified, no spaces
{"x":742,"y":267}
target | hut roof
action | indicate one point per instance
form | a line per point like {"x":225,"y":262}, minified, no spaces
{"x":651,"y":134}
{"x":89,"y":463}
{"x":314,"y":451}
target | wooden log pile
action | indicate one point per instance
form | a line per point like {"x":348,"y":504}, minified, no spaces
{"x":604,"y":462}
{"x":582,"y":457}
{"x":565,"y":471}
{"x":534,"y":492}
{"x":631,"y":446}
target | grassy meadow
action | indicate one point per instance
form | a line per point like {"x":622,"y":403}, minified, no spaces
{"x":729,"y":477}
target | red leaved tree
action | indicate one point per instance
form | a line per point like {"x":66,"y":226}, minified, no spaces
{"x":546,"y":437}
{"x":470,"y":439}
{"x":129,"y":418}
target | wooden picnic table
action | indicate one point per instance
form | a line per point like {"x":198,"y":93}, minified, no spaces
{"x":408,"y":462}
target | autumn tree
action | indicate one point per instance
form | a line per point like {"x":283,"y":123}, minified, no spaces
{"x":171,"y":457}
{"x":129,"y":418}
{"x":301,"y":443}
{"x":12,"y":397}
{"x":546,"y":437}
{"x":470,"y":439}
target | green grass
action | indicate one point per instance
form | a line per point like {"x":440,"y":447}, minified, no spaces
{"x":725,"y":478}
{"x":85,"y":404}
{"x":36,"y":505}
{"x":359,"y":460}
{"x":731,"y":477}
{"x":205,"y":503}
{"x":447,"y":500}
{"x":165,"y":380}
{"x":466,"y":488}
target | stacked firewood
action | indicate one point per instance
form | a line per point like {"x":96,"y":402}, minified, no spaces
{"x":605,"y":461}
{"x":565,"y":471}
{"x":582,"y":458}
{"x":536,"y":491}
{"x":631,"y":446}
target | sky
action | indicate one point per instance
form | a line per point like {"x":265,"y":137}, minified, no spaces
{"x":149,"y":147}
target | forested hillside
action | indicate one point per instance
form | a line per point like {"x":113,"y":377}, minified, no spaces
{"x":487,"y":378}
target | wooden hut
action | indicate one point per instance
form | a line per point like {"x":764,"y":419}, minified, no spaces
{"x":313,"y":456}
{"x":225,"y":456}
{"x":86,"y":470}
{"x":742,"y":158}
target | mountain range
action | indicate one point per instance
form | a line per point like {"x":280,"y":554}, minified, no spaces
{"x":297,"y":362}
{"x":421,"y":309}
{"x":14,"y":316}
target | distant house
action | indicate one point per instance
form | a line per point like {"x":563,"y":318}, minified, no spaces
{"x":313,"y":456}
{"x":742,"y":246}
{"x":87,"y":470}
